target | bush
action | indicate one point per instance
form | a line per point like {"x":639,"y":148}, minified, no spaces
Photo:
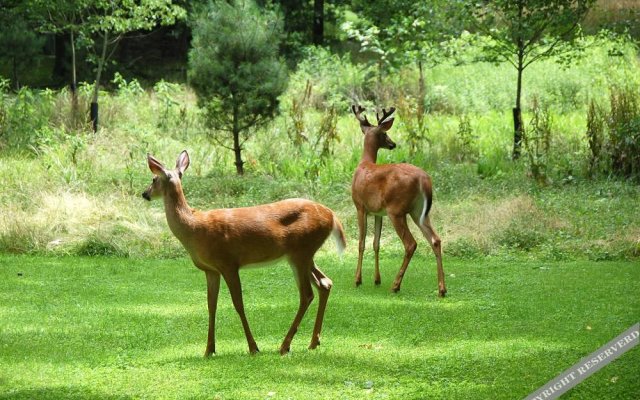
{"x":334,"y":80}
{"x":25,"y":118}
{"x":537,"y":142}
{"x":595,"y":136}
{"x":624,"y":132}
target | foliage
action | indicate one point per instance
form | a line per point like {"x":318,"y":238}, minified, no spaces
{"x":25,"y":119}
{"x":413,"y":121}
{"x":523,"y":32}
{"x":62,"y":188}
{"x":624,"y":131}
{"x":595,"y":136}
{"x":127,"y":89}
{"x":334,"y":79}
{"x":537,"y":142}
{"x":418,"y":33}
{"x":465,"y":139}
{"x":235,"y":70}
{"x":20,"y":44}
{"x":167,"y":92}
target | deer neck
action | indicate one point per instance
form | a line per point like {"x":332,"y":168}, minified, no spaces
{"x":370,"y":151}
{"x":179,"y":215}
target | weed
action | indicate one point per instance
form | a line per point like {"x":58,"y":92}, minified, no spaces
{"x":624,"y":131}
{"x":465,"y":139}
{"x":537,"y":142}
{"x":596,"y":124}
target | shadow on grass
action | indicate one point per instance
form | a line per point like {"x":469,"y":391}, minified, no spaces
{"x":60,"y":392}
{"x":503,"y":328}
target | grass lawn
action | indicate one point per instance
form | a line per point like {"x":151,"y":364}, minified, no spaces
{"x":126,"y":328}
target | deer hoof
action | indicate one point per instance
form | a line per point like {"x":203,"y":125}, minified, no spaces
{"x":442,"y":292}
{"x":284,"y":350}
{"x":377,"y":282}
{"x":358,"y":283}
{"x":395,"y":289}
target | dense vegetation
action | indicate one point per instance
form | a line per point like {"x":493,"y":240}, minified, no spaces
{"x":70,"y":191}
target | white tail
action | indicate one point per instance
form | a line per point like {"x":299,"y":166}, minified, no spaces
{"x":396,"y":190}
{"x":338,"y":236}
{"x":220,"y":242}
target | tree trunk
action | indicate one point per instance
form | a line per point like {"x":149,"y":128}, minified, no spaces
{"x":96,"y":86}
{"x":74,"y":85}
{"x":517,"y":132}
{"x":237,"y":149}
{"x":421,"y":94}
{"x":318,"y":22}
{"x":518,"y":128}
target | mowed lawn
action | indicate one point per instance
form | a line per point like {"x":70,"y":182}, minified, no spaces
{"x":113,"y":328}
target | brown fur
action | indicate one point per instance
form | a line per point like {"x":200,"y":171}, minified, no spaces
{"x":395,"y":190}
{"x":222,"y":241}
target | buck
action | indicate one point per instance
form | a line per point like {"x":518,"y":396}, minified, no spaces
{"x":221,"y":242}
{"x":395,"y":190}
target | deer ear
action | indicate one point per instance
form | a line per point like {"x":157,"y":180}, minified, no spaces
{"x":387,"y":124}
{"x":155,"y":166}
{"x":183,"y":162}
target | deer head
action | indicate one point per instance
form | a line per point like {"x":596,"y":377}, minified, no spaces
{"x":165,"y":180}
{"x":376,"y":133}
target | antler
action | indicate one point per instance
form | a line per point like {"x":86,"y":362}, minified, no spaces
{"x":357,"y":110}
{"x":385,"y":114}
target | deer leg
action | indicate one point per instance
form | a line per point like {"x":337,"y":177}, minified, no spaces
{"x":323,"y":284}
{"x":376,"y":247}
{"x":213,"y":288}
{"x":235,"y":288}
{"x":362,"y":234}
{"x":303,"y":279}
{"x":435,"y":242}
{"x":400,"y":224}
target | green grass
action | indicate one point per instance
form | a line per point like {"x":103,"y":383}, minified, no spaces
{"x":96,"y":327}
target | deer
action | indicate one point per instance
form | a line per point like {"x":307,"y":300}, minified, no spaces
{"x":394,"y":190}
{"x":220,"y":242}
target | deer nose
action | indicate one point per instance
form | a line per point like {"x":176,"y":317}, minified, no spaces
{"x":146,"y":196}
{"x":392,"y":145}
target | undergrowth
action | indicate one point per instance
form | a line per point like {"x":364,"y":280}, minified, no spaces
{"x":66,"y":191}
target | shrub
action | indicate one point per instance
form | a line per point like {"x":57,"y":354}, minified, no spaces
{"x":26,"y":119}
{"x":335,"y":80}
{"x":595,"y":136}
{"x":537,"y":142}
{"x":624,"y":132}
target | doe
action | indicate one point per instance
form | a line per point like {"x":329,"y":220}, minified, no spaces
{"x":222,"y":241}
{"x":394,"y":190}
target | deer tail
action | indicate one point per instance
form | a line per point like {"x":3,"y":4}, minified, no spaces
{"x":338,"y":235}
{"x":427,"y":195}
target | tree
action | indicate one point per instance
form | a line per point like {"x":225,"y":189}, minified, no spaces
{"x":100,"y":25}
{"x":19,"y":44}
{"x":106,"y":22}
{"x":62,"y":17}
{"x":235,"y":69}
{"x":418,"y":35}
{"x":522,"y":32}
